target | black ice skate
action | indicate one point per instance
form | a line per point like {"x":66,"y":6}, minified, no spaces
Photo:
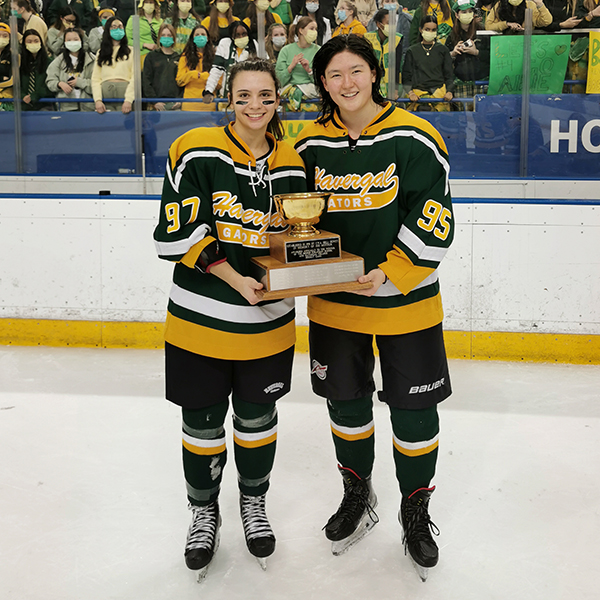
{"x":417,"y":527}
{"x":203,"y":538}
{"x":355,"y":516}
{"x":260,"y":538}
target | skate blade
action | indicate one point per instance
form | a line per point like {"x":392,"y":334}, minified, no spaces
{"x":364,"y":528}
{"x":204,"y":570}
{"x":262,"y":562}
{"x":422,"y":572}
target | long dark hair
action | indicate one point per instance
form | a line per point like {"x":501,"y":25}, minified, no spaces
{"x":258,"y":65}
{"x":356,"y":44}
{"x":251,"y":14}
{"x":29,"y":62}
{"x":105,"y":53}
{"x":457,"y":30}
{"x":67,"y":11}
{"x":190,"y":52}
{"x":251,"y":47}
{"x":80,"y":55}
{"x":321,"y":29}
{"x":424,"y":21}
{"x":175,"y":14}
{"x":444,"y":5}
{"x":507,"y":12}
{"x":213,"y":23}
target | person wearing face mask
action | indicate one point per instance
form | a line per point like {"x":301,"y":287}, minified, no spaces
{"x":276,"y":40}
{"x":440,"y":9}
{"x":427,"y":70}
{"x":149,"y":12}
{"x":84,"y":9}
{"x":508,"y":16}
{"x":34,"y":63}
{"x":194,"y":67}
{"x":294,"y":67}
{"x":283,"y":9}
{"x":66,"y":21}
{"x":70,"y":73}
{"x":184,"y":19}
{"x":314,"y":10}
{"x":113,"y":70}
{"x":380,"y":41}
{"x":6,"y":77}
{"x":219,"y":20}
{"x":251,"y":19}
{"x":347,"y":20}
{"x":22,"y":9}
{"x":239,"y":46}
{"x":365,"y":10}
{"x":105,"y":12}
{"x":470,"y":53}
{"x":160,"y":71}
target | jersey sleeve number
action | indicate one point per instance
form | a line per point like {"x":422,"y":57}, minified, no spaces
{"x":435,"y":218}
{"x":172,"y":213}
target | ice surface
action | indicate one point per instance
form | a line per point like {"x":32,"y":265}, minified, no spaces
{"x":93,"y":507}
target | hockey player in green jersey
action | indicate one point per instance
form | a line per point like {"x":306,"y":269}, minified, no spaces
{"x":220,"y":339}
{"x":387,"y":173}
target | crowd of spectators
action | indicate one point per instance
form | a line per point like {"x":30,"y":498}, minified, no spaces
{"x":75,"y":50}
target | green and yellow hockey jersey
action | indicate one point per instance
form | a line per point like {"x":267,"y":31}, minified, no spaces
{"x":390,"y":202}
{"x":215,"y":189}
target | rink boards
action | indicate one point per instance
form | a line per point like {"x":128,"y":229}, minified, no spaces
{"x":521,"y":281}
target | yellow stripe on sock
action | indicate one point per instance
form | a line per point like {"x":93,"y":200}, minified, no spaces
{"x":352,"y":437}
{"x":415,"y":451}
{"x":254,"y":443}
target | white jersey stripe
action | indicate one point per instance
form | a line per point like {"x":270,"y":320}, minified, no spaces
{"x":182,"y":246}
{"x":230,"y":312}
{"x":389,"y":289}
{"x":200,"y":443}
{"x":352,"y":430}
{"x":416,"y":445}
{"x":424,"y":252}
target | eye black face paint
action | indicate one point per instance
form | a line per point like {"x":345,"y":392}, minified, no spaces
{"x":268,"y":102}
{"x":240,"y":103}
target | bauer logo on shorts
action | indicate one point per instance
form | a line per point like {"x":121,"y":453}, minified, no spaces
{"x":428,"y":387}
{"x":274,"y":387}
{"x":319,"y":370}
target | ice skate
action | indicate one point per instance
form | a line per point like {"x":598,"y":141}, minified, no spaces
{"x":260,"y":538}
{"x":355,"y":517}
{"x":417,"y":527}
{"x":203,"y":538}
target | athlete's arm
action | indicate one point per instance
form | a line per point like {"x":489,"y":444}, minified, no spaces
{"x":246,"y":286}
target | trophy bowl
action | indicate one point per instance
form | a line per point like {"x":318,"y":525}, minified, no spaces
{"x":301,"y":211}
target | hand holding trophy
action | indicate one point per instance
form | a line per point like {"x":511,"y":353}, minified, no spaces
{"x":304,"y":261}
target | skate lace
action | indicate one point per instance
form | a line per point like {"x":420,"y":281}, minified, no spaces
{"x":418,"y":524}
{"x":355,"y":500}
{"x":254,"y":517}
{"x":203,"y":528}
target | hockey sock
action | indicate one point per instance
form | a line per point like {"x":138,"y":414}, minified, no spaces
{"x":204,"y":452}
{"x":254,"y":436}
{"x":353,"y":432}
{"x":415,"y":447}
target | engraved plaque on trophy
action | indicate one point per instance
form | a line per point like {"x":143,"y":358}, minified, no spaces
{"x":304,"y":261}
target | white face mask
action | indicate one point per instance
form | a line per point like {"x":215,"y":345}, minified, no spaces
{"x":310,"y":36}
{"x":279,"y":41}
{"x":73,"y":45}
{"x":312,"y":7}
{"x":466,"y":18}
{"x":429,"y":36}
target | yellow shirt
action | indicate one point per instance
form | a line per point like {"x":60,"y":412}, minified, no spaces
{"x":120,"y":69}
{"x":355,"y":27}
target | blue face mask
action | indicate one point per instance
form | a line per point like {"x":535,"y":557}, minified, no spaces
{"x":342,"y":15}
{"x":117,"y":34}
{"x":200,"y":41}
{"x":166,"y":41}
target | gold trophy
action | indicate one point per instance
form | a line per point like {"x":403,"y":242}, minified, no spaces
{"x":304,"y":261}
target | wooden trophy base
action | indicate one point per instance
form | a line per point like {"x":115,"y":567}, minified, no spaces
{"x":306,"y":278}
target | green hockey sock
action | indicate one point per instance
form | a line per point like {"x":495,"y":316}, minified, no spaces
{"x":415,"y":442}
{"x":353,"y":432}
{"x":255,"y":439}
{"x":204,"y":452}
